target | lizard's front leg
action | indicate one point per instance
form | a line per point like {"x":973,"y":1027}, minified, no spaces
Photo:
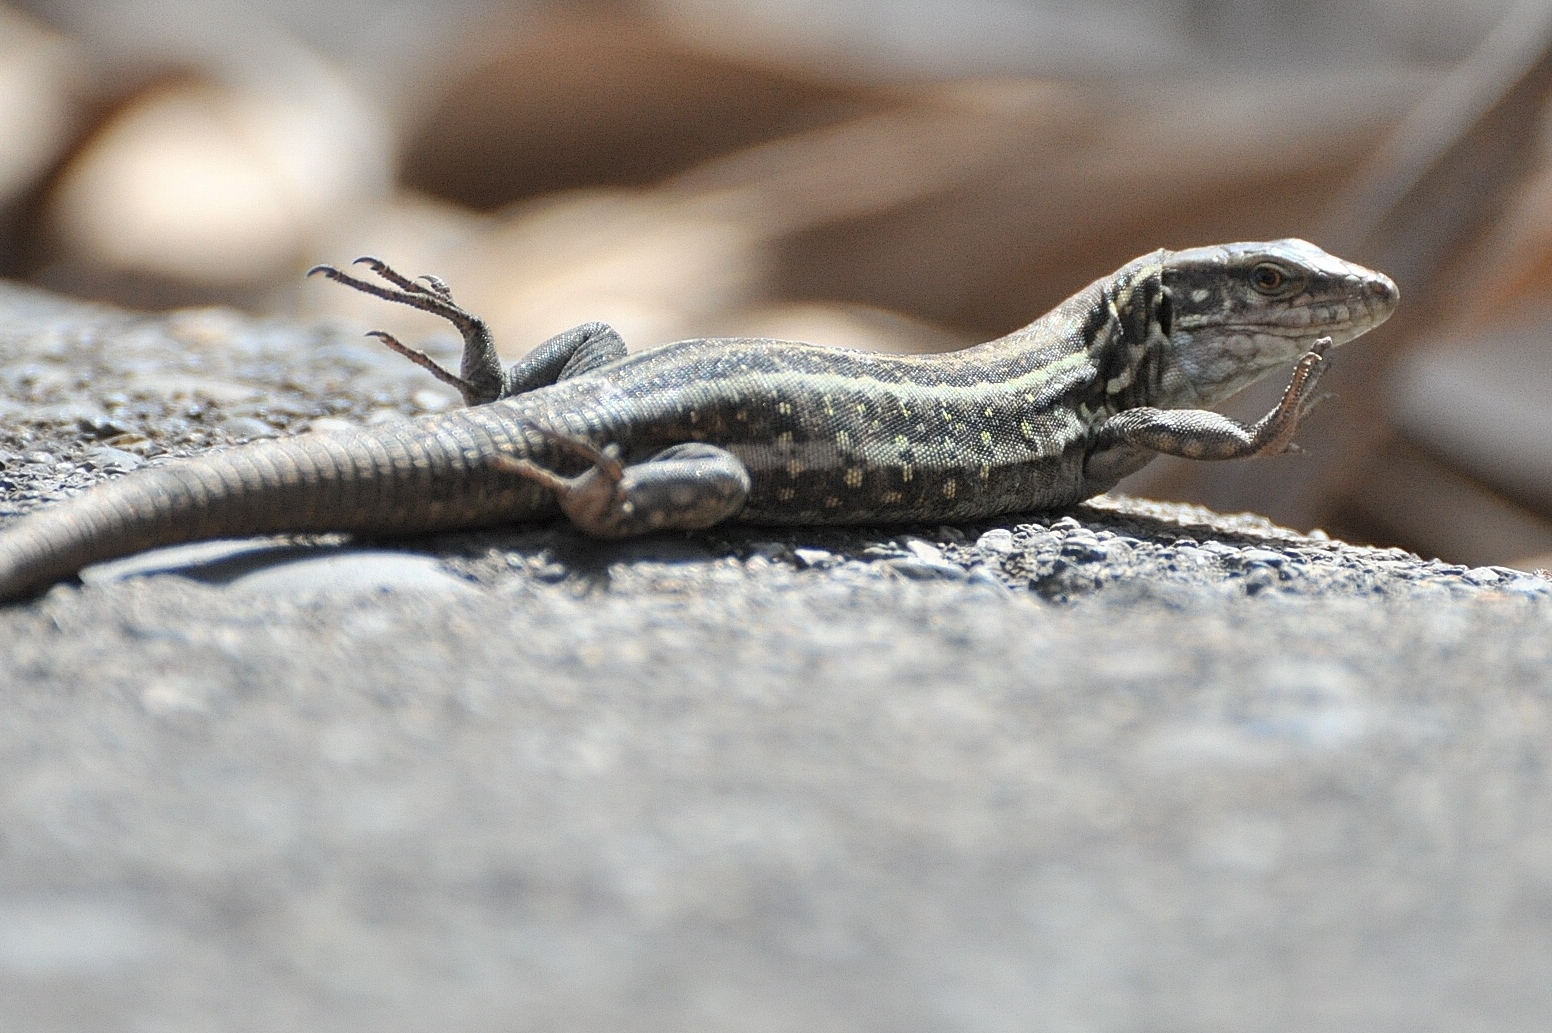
{"x":685,"y":487}
{"x":577,"y":351}
{"x":1202,"y":434}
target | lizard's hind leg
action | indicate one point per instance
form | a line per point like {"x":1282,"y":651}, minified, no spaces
{"x":480,"y":378}
{"x":579,"y":350}
{"x":685,"y":487}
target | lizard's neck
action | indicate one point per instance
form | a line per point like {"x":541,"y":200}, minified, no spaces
{"x":1111,"y":340}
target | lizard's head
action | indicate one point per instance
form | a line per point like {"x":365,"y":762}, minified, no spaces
{"x":1234,"y":312}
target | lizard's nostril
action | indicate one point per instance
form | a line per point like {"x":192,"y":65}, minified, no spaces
{"x":1383,"y":290}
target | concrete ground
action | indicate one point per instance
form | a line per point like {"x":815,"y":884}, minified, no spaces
{"x":1127,"y":768}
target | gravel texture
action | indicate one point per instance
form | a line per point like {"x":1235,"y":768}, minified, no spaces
{"x":1130,"y":767}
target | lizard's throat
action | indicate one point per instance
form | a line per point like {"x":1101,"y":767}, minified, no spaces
{"x":1210,"y":366}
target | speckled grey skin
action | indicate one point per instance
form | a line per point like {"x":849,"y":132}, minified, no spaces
{"x":1128,"y":767}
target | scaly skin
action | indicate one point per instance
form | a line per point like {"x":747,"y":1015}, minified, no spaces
{"x":768,"y":431}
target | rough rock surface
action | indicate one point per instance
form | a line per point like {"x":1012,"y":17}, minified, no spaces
{"x":1132,"y":767}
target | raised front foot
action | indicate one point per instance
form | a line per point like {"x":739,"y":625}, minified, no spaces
{"x":1201,"y":434}
{"x":686,"y":487}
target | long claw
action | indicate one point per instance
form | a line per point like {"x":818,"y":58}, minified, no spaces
{"x":605,"y":462}
{"x":532,"y":471}
{"x":398,"y":279}
{"x":420,"y":359}
{"x":437,"y":285}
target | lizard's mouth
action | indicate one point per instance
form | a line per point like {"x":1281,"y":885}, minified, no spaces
{"x":1219,"y":356}
{"x":1343,"y":314}
{"x":1359,"y":306}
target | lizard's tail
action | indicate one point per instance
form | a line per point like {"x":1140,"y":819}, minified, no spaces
{"x":396,"y":479}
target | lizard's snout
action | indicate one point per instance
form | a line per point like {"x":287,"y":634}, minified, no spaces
{"x":1383,"y":295}
{"x":1384,"y":290}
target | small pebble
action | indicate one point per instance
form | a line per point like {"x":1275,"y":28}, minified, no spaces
{"x":1258,"y":579}
{"x":809,"y":559}
{"x":1085,"y":549}
{"x":107,"y":458}
{"x":998,"y":539}
{"x":550,"y":573}
{"x":329,"y":425}
{"x":245,"y":428}
{"x":926,"y":570}
{"x":103,"y":426}
{"x":1267,"y":556}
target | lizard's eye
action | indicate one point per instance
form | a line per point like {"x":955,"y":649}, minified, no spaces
{"x":1268,"y":278}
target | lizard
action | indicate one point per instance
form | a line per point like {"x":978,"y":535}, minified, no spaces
{"x":687,"y":435}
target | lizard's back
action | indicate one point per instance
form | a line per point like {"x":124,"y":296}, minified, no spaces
{"x":835,"y":436}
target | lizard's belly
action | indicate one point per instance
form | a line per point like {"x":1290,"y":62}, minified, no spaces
{"x":797,"y":492}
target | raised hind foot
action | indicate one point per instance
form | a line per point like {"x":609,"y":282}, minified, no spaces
{"x":481,"y":379}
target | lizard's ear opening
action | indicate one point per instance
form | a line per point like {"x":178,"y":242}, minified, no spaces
{"x":1164,"y":312}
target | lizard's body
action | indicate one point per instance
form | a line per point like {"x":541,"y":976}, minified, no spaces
{"x":693,"y":433}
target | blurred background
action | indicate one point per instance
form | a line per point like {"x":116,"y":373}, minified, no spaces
{"x":909,"y":175}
